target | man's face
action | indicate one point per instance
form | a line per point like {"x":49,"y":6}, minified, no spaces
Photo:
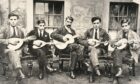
{"x":68,"y":23}
{"x":96,"y":24}
{"x":13,"y":21}
{"x":125,"y":27}
{"x":41,"y":26}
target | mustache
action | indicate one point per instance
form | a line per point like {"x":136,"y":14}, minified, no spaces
{"x":68,"y":25}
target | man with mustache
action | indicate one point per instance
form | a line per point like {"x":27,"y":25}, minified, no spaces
{"x":74,"y":48}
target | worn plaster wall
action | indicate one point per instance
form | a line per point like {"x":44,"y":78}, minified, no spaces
{"x":83,"y":11}
{"x":4,"y":10}
{"x":17,"y":6}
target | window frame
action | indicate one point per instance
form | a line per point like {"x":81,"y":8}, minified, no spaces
{"x":127,"y":16}
{"x":50,"y":1}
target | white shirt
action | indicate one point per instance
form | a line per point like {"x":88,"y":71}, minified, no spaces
{"x":42,"y":32}
{"x":12,"y":30}
{"x":68,"y":29}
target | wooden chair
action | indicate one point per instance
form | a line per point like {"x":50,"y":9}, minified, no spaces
{"x":107,"y":61}
{"x":30,"y":59}
{"x":66,"y":57}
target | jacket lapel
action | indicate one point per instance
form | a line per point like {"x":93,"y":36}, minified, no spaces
{"x":91,"y":33}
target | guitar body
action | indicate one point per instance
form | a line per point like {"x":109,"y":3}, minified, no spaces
{"x":110,"y":48}
{"x":16,"y":46}
{"x":94,"y":42}
{"x":63,"y":45}
{"x":121,"y":45}
{"x":39,"y":44}
{"x":60,"y":45}
{"x":19,"y":42}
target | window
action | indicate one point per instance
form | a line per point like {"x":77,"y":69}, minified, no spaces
{"x":119,"y":11}
{"x":51,"y":11}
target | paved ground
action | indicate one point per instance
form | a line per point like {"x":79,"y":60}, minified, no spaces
{"x":63,"y":78}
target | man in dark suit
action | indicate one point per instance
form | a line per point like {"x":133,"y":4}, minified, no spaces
{"x":97,"y":33}
{"x":41,"y":53}
{"x":74,"y":48}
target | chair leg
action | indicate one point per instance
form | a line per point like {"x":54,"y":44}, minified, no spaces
{"x":4,"y":70}
{"x":61,"y":64}
{"x":30,"y":67}
{"x":91,"y":77}
{"x":133,"y":68}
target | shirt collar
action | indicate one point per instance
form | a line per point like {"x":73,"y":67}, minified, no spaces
{"x":68,"y":29}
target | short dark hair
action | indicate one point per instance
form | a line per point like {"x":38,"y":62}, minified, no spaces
{"x":125,"y":21}
{"x":13,"y":14}
{"x":70,"y":18}
{"x":40,"y":21}
{"x":95,"y":18}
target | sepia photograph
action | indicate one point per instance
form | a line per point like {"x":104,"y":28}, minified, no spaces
{"x":69,"y":41}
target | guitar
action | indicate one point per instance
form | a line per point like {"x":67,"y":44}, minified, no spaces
{"x":96,"y":43}
{"x":63,"y":45}
{"x":121,"y":44}
{"x":39,"y":44}
{"x":18,"y":42}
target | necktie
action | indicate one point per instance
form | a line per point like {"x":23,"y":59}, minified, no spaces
{"x":125,"y":35}
{"x":96,"y":34}
{"x":40,"y":34}
{"x":14,"y":31}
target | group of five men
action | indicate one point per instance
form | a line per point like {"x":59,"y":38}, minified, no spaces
{"x":96,"y":32}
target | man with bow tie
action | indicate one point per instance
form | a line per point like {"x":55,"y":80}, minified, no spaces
{"x":41,"y":53}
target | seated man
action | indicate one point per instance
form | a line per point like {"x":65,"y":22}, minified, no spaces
{"x":96,"y":39}
{"x":37,"y":49}
{"x":74,"y":48}
{"x":7,"y":35}
{"x":130,"y":51}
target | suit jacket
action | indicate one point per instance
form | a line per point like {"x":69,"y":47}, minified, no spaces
{"x":131,"y":36}
{"x":60,"y":32}
{"x":45,"y":37}
{"x":6,"y":33}
{"x":103,"y":36}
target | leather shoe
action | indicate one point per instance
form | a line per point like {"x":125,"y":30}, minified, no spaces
{"x":41,"y":75}
{"x":72,"y":75}
{"x":115,"y":81}
{"x":51,"y":69}
{"x":98,"y":72}
{"x":119,"y":73}
{"x":91,"y":78}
